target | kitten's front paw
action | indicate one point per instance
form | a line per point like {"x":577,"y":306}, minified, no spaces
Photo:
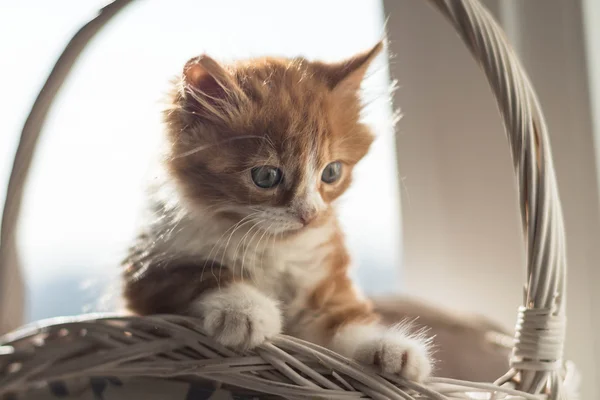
{"x":239,"y":316}
{"x":392,"y":350}
{"x":395,"y":353}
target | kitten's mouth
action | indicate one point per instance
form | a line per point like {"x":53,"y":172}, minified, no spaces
{"x":283,"y":230}
{"x":301,"y":227}
{"x":292,"y":232}
{"x":287,"y":230}
{"x":298,"y":228}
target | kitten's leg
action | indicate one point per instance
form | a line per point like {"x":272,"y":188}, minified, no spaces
{"x":346,"y":324}
{"x":236,"y":314}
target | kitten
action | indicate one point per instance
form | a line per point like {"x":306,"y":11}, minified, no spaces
{"x":244,"y":232}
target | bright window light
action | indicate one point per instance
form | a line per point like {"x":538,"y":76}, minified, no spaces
{"x":87,"y":183}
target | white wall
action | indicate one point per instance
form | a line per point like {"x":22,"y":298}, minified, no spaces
{"x":463,"y":247}
{"x":591,"y":25}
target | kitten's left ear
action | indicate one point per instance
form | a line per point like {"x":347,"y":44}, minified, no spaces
{"x":212,"y":88}
{"x":206,"y":75}
{"x":347,"y":75}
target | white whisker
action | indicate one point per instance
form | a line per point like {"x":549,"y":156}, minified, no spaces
{"x":246,"y":249}
{"x":208,"y":258}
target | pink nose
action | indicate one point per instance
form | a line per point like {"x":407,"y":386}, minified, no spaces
{"x":307,"y":216}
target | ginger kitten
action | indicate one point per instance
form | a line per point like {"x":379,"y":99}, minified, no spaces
{"x":244,"y":233}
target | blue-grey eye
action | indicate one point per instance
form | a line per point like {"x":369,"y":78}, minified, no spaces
{"x":266,"y":177}
{"x":332,"y":172}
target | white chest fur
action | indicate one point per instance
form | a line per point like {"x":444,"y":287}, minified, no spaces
{"x":283,"y":269}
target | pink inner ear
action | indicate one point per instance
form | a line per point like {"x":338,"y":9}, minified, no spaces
{"x":198,"y":77}
{"x":195,"y":73}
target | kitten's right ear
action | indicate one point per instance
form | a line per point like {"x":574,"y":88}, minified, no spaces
{"x":346,"y":76}
{"x":210,"y":85}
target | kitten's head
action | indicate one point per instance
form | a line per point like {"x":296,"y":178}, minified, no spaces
{"x":271,"y":140}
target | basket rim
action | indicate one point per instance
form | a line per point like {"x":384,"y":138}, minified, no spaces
{"x":170,"y":333}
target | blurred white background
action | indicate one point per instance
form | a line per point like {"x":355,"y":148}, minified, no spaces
{"x":86,"y":187}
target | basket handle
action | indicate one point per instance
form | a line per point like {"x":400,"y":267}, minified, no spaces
{"x":540,"y":330}
{"x":11,"y":292}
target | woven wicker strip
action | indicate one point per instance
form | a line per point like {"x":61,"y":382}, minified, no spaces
{"x":174,"y":347}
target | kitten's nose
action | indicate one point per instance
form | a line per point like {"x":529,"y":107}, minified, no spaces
{"x":307,"y":216}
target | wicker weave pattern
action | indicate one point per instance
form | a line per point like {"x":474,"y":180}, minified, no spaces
{"x":175,"y":347}
{"x":171,"y":346}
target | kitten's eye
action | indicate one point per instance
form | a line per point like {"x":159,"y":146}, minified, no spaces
{"x":266,"y":177}
{"x":332,"y":172}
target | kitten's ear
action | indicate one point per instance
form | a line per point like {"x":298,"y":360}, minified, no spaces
{"x":347,"y":75}
{"x":211,"y":86}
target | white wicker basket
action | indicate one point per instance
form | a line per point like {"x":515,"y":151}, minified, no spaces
{"x":116,"y":357}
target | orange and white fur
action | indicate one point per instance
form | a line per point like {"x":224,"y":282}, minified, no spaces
{"x":243,"y":231}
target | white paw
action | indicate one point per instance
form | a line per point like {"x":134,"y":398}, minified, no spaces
{"x":396,"y":354}
{"x":393,"y":351}
{"x":238,"y":316}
